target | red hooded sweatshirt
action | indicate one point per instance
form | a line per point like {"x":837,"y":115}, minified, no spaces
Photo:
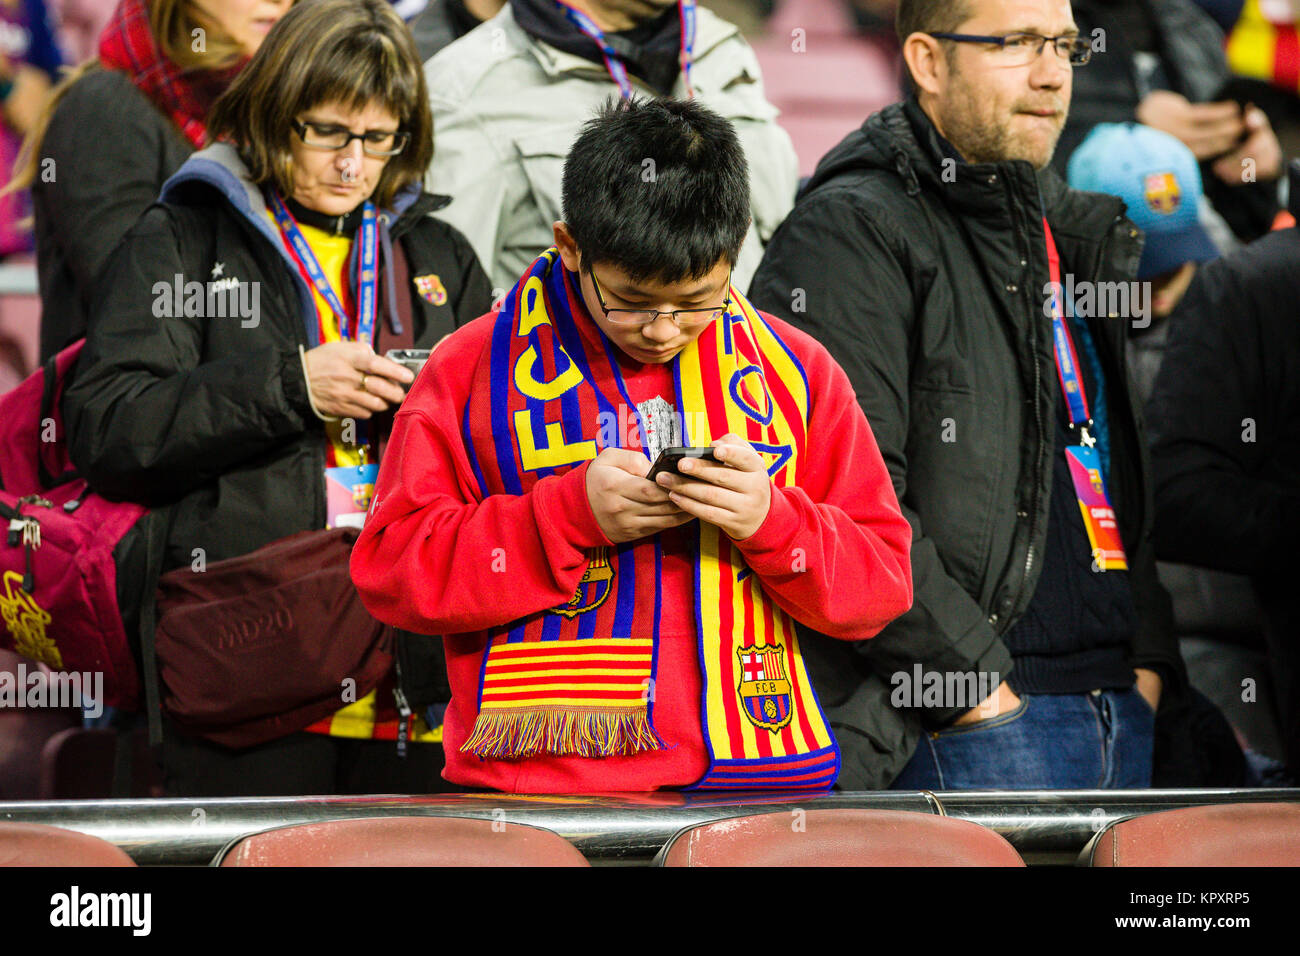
{"x":434,"y":559}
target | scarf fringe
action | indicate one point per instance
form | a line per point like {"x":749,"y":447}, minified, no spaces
{"x":517,"y":735}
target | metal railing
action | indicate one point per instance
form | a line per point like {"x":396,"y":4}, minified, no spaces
{"x":1045,"y":826}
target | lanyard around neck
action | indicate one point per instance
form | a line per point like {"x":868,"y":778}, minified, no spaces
{"x":614,"y":63}
{"x":368,"y":279}
{"x":1067,"y":359}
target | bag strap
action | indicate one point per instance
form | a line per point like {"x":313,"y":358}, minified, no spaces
{"x":157,"y":544}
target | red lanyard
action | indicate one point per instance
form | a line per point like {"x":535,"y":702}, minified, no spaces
{"x":1067,"y":359}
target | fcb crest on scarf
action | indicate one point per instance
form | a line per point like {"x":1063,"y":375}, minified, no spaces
{"x":763,"y":685}
{"x":593,"y":588}
{"x":431,"y":289}
{"x":574,"y":679}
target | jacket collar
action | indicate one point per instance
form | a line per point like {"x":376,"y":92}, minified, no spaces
{"x":913,"y":149}
{"x":219,"y":167}
{"x":649,"y":50}
{"x":711,"y":31}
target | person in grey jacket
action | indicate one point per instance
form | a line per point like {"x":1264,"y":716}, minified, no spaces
{"x":509,"y":98}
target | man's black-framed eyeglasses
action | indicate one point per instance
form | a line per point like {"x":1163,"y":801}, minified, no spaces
{"x":374,"y":142}
{"x":1021,"y":49}
{"x":683,"y":318}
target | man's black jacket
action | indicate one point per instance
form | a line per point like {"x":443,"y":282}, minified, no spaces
{"x":925,"y":280}
{"x":1225,"y":416}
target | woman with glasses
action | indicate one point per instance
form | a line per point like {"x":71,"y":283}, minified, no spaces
{"x":235,"y":368}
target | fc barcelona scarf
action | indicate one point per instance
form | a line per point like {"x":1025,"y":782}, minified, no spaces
{"x":579,"y":679}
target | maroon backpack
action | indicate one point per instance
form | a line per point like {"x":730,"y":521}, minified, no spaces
{"x":59,"y":596}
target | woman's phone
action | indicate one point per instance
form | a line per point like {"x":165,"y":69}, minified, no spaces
{"x":670,"y":458}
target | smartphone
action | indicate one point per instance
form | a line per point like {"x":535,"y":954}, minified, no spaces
{"x":414,"y":359}
{"x":670,"y":457}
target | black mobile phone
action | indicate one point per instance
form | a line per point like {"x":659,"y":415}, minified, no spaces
{"x":414,"y":359}
{"x":669,"y":458}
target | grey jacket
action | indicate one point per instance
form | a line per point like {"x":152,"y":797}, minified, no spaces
{"x":507,"y":107}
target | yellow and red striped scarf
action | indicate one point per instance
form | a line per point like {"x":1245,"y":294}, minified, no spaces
{"x":1265,"y":45}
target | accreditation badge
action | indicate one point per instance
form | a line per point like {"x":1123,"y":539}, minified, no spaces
{"x":348,"y":490}
{"x":1098,"y":515}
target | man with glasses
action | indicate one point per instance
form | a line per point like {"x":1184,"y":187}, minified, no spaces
{"x":609,"y":628}
{"x":925,"y":253}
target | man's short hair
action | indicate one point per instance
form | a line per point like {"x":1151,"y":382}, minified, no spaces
{"x":930,"y":16}
{"x":658,"y":188}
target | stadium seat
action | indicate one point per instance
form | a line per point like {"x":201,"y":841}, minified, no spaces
{"x":839,"y":838}
{"x":1225,"y":834}
{"x":402,"y":841}
{"x":79,"y":764}
{"x":35,"y":844}
{"x":23,"y":733}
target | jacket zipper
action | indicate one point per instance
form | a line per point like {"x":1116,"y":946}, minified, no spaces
{"x":1038,"y":421}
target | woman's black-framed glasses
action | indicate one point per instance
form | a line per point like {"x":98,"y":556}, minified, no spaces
{"x":1021,"y":49}
{"x":683,"y":318}
{"x":374,"y":142}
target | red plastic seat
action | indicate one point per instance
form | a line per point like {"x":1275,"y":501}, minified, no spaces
{"x":79,"y":763}
{"x":35,"y":844}
{"x":1226,"y":834}
{"x":23,"y":733}
{"x":839,"y":838}
{"x":403,"y":841}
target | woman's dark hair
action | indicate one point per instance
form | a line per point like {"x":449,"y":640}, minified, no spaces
{"x":658,"y":188}
{"x":349,"y":52}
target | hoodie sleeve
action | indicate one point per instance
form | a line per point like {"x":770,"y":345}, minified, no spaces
{"x":434,"y":556}
{"x":833,"y":550}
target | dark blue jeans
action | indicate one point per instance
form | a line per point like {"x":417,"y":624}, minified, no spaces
{"x":1093,"y":741}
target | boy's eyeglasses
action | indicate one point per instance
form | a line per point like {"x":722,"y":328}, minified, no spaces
{"x":684,"y":318}
{"x":1021,"y":49}
{"x":374,"y":142}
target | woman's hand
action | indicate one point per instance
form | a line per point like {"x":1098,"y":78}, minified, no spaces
{"x":348,"y":380}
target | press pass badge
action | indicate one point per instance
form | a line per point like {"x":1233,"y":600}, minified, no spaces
{"x":348,"y":490}
{"x":1098,"y":515}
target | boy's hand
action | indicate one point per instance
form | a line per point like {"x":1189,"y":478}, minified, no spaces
{"x":626,"y":506}
{"x":734,"y":495}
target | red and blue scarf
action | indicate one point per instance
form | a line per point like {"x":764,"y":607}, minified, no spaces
{"x":579,"y":678}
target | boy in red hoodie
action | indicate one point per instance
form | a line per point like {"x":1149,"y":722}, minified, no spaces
{"x":605,"y":631}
